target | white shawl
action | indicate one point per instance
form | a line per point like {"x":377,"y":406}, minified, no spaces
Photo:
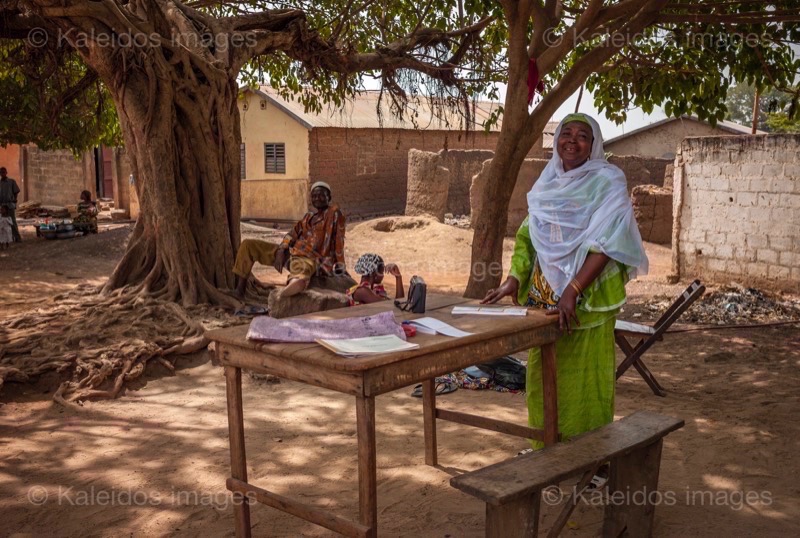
{"x":585,"y":209}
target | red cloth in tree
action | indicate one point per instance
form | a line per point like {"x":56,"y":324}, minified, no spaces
{"x":534,"y":83}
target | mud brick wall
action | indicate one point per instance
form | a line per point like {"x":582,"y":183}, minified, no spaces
{"x":737,"y":210}
{"x":428,"y":185}
{"x":652,"y":206}
{"x":463,"y":165}
{"x":368,"y":168}
{"x":641,"y":170}
{"x":518,"y":205}
{"x":125,"y":196}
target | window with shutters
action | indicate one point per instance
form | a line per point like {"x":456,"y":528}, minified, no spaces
{"x":275,"y":158}
{"x":242,"y":162}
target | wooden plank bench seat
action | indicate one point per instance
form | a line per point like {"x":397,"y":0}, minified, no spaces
{"x":512,"y":488}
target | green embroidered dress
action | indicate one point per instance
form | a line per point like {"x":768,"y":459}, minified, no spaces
{"x":585,"y":359}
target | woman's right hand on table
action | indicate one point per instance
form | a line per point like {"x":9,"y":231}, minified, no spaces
{"x":509,"y":287}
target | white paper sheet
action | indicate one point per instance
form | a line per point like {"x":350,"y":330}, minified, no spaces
{"x":372,"y":345}
{"x":620,"y":325}
{"x":491,"y":310}
{"x":440,"y":327}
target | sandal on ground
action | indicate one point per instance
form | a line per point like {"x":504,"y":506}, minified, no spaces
{"x":597,"y":482}
{"x":252,"y":310}
{"x":444,"y":387}
{"x":600,"y":478}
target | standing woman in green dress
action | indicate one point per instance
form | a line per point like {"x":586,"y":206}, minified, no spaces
{"x":572,"y":256}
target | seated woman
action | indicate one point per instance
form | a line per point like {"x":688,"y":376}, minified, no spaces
{"x":370,"y":289}
{"x":86,"y":221}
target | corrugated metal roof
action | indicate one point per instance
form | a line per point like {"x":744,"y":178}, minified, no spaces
{"x":362,"y":113}
{"x":549,"y":134}
{"x":729,"y":126}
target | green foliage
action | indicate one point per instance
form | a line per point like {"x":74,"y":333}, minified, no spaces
{"x":689,"y":68}
{"x":49,"y":98}
{"x":778,"y":110}
{"x":363,"y":27}
{"x":782,"y":123}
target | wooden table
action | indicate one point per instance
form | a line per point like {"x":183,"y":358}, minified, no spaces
{"x":366,"y":378}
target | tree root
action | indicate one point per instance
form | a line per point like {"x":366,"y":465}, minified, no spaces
{"x":100,"y":342}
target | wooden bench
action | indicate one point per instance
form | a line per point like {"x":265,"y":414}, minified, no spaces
{"x":512,"y":489}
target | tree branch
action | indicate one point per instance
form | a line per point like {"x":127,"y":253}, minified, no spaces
{"x":712,"y":5}
{"x":587,"y":63}
{"x":753,"y":17}
{"x":273,"y":20}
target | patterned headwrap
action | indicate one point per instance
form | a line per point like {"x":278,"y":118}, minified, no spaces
{"x":577,"y":116}
{"x":368,"y":264}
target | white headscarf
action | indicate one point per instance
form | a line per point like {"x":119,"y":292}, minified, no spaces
{"x":587,"y":208}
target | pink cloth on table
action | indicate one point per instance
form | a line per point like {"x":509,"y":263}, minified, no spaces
{"x":308,"y":330}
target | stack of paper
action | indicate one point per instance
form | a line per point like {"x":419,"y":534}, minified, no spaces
{"x":371,"y":345}
{"x":433,"y":326}
{"x":491,"y":310}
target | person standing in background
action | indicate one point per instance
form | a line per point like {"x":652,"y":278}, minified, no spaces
{"x":8,"y":199}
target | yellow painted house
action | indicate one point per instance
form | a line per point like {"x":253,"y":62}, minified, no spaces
{"x":361,"y":154}
{"x":274,"y":180}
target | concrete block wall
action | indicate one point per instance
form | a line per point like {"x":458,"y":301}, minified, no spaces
{"x":736,"y":210}
{"x":57,"y":177}
{"x":368,"y":168}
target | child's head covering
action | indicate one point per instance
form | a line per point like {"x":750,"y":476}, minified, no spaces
{"x":368,"y":264}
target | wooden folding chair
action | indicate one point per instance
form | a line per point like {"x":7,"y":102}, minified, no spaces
{"x":648,"y":335}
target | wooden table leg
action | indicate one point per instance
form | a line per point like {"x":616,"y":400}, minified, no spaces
{"x":429,"y":420}
{"x":241,"y":507}
{"x":367,"y":464}
{"x":550,"y":394}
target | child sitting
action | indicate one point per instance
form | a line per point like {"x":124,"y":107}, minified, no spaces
{"x":370,"y":289}
{"x":6,"y":235}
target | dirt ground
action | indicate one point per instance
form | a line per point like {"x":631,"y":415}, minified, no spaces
{"x":154,"y":462}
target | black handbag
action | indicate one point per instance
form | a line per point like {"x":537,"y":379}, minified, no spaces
{"x":506,"y":371}
{"x":416,"y":296}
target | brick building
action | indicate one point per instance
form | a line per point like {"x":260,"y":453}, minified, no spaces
{"x":362,"y":156}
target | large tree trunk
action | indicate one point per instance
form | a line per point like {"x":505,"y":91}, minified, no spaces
{"x":490,"y":223}
{"x":521,"y":128}
{"x":182,"y":138}
{"x":517,"y":135}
